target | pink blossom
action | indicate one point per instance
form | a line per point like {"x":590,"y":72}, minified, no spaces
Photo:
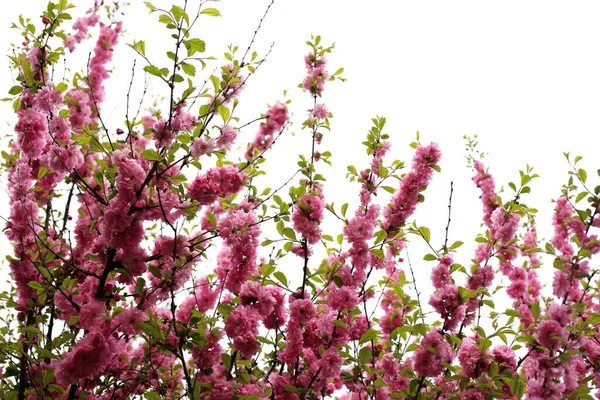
{"x":308,"y":213}
{"x":314,"y":82}
{"x":550,"y":333}
{"x":182,"y":120}
{"x":162,"y":133}
{"x":277,"y":116}
{"x":88,"y":359}
{"x":503,"y":225}
{"x":202,"y":146}
{"x":404,"y":202}
{"x":320,"y":111}
{"x":505,"y":357}
{"x":471,"y":359}
{"x":92,"y":316}
{"x":278,"y":317}
{"x":330,"y":363}
{"x":81,"y":26}
{"x":130,"y":319}
{"x":430,"y":356}
{"x":210,"y":354}
{"x":485,"y":182}
{"x":65,"y":160}
{"x":482,"y":278}
{"x":240,"y":321}
{"x":302,"y":311}
{"x":440,"y":274}
{"x":215,"y":183}
{"x":246,"y":344}
{"x":227,"y":137}
{"x":342,"y":299}
{"x":446,"y":302}
{"x":32,"y":132}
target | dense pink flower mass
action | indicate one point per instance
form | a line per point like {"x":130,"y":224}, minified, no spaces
{"x":31,"y":128}
{"x":215,"y":183}
{"x":485,"y":182}
{"x":314,"y":82}
{"x":153,"y":259}
{"x":430,"y":356}
{"x":472,"y":360}
{"x":277,"y":116}
{"x":88,"y":359}
{"x":405,"y":200}
{"x":308,"y":215}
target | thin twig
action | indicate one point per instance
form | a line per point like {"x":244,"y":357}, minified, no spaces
{"x":449,"y":213}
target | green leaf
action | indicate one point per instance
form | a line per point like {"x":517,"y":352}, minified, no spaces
{"x":15,"y":90}
{"x":368,"y":336}
{"x":430,"y":257}
{"x":150,"y":329}
{"x":580,"y":197}
{"x":535,"y":309}
{"x":213,"y":12}
{"x":211,"y":218}
{"x":165,"y":19}
{"x":224,"y":113}
{"x":194,"y":45}
{"x":365,"y":355}
{"x":179,"y":178}
{"x":152,"y":396}
{"x":189,"y":69}
{"x":151,"y":155}
{"x":513,"y":313}
{"x":53,"y":388}
{"x":154,"y":70}
{"x":43,"y":171}
{"x":465,"y":294}
{"x":140,"y":46}
{"x":425,"y":232}
{"x":17,"y":104}
{"x":379,"y":253}
{"x":281,"y":277}
{"x":582,"y":175}
{"x":179,"y":13}
{"x":289,"y":233}
{"x":344,"y":209}
{"x":340,"y":324}
{"x":456,"y":245}
{"x":62,"y":87}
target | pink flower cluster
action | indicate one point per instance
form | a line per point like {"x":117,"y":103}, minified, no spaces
{"x":237,"y":259}
{"x":87,"y":360}
{"x":277,"y":117}
{"x":445,"y":300}
{"x":215,"y":183}
{"x":434,"y":351}
{"x":81,"y":101}
{"x":308,"y":214}
{"x":405,"y":200}
{"x":81,"y":26}
{"x":485,"y":182}
{"x":314,"y":82}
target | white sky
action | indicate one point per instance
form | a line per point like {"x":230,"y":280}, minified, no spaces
{"x":523,"y":76}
